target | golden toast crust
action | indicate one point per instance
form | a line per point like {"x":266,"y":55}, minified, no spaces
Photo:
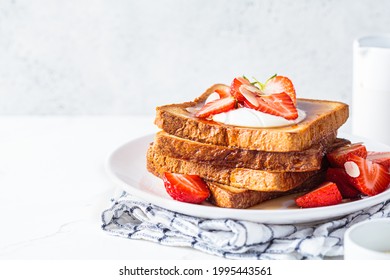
{"x":245,"y":178}
{"x":299,"y":161}
{"x":227,"y":196}
{"x":231,"y":197}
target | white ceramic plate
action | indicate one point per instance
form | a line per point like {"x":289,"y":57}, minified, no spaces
{"x":127,"y":167}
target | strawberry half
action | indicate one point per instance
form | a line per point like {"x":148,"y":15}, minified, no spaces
{"x":279,"y":104}
{"x":280,"y":84}
{"x":383,"y":158}
{"x":369,"y":177}
{"x":325,"y":195}
{"x":235,"y":88}
{"x":249,"y":95}
{"x":186,"y":188}
{"x":216,"y":107}
{"x":223,"y":91}
{"x":340,"y":178}
{"x":339,"y":156}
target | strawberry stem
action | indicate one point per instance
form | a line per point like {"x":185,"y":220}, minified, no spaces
{"x":273,"y":76}
{"x":258,"y":84}
{"x":246,"y":78}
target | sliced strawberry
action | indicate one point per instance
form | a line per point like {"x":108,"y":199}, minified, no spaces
{"x":369,"y":177}
{"x":338,"y":157}
{"x":340,"y":178}
{"x":186,"y":188}
{"x":223,"y":91}
{"x":279,"y":104}
{"x":216,"y":107}
{"x":235,"y":88}
{"x":280,"y":84}
{"x":325,"y":195}
{"x":249,"y":96}
{"x":382,"y":158}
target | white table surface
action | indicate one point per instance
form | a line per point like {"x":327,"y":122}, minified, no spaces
{"x":53,"y":188}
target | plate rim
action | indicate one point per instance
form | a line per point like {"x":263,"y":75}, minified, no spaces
{"x":245,"y":214}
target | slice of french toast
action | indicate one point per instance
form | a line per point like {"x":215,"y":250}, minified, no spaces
{"x":323,"y":117}
{"x":232,"y":197}
{"x":227,"y":196}
{"x":251,"y":179}
{"x":297,"y":161}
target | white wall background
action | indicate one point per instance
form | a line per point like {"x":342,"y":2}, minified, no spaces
{"x":81,"y":57}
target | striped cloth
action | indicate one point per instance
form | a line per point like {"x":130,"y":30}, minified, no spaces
{"x":133,"y":218}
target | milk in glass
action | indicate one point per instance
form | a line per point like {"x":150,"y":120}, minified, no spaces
{"x":371,"y":88}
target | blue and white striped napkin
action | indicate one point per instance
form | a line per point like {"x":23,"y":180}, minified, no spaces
{"x":133,"y":218}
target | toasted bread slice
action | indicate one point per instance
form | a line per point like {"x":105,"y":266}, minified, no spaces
{"x":323,"y":117}
{"x":232,"y":197}
{"x":299,"y":161}
{"x":227,"y":196}
{"x":245,"y":178}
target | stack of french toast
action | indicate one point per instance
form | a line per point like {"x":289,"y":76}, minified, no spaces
{"x":244,"y":165}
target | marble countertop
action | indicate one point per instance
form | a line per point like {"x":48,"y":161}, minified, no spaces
{"x":53,"y":188}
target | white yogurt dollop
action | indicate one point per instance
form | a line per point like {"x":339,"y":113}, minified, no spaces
{"x":252,"y":118}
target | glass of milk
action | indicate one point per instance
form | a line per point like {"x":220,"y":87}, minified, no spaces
{"x":368,"y":240}
{"x":370,"y":110}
